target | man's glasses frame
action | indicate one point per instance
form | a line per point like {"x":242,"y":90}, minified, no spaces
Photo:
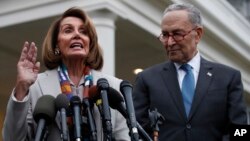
{"x":163,"y":37}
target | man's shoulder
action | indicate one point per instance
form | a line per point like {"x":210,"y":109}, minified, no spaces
{"x":219,"y":66}
{"x":156,"y":67}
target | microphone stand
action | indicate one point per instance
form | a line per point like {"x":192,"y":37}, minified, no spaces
{"x":156,"y":119}
{"x":107,"y":118}
{"x":142,"y":132}
{"x":103,"y":87}
{"x":46,"y":133}
{"x":87,"y":104}
{"x":43,"y":134}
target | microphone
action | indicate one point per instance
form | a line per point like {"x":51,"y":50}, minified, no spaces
{"x":44,"y":114}
{"x":126,"y":89}
{"x":62,"y":104}
{"x":75,"y":104}
{"x":88,"y":105}
{"x":94,"y":96}
{"x":103,"y":87}
{"x":116,"y":101}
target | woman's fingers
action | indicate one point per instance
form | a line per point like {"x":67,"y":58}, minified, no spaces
{"x":24,"y":52}
{"x":37,"y":67}
{"x":33,"y":51}
{"x":29,"y":53}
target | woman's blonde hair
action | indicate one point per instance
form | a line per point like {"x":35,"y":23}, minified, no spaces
{"x":94,"y":59}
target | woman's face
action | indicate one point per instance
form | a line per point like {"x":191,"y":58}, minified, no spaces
{"x":73,"y":40}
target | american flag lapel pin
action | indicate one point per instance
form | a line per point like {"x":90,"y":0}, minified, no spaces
{"x":209,"y":74}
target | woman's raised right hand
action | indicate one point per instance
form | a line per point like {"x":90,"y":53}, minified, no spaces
{"x":27,"y":70}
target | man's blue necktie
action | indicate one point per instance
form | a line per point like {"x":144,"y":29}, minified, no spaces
{"x":187,"y":87}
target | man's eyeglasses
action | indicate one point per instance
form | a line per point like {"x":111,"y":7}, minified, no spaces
{"x":176,"y":36}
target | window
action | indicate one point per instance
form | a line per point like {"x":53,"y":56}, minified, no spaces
{"x":243,"y":6}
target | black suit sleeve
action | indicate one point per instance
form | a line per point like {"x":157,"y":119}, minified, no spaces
{"x":236,"y":106}
{"x":141,"y":103}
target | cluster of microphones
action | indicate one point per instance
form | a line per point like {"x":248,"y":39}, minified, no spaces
{"x":104,"y":96}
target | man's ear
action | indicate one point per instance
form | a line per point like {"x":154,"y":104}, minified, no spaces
{"x":199,"y":34}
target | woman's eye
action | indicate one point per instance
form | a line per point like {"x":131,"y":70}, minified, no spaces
{"x":82,"y":31}
{"x":67,"y":30}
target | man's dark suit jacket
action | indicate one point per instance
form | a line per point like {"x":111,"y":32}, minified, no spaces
{"x":218,"y":101}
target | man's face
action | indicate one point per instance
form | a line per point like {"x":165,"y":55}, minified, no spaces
{"x":177,"y":23}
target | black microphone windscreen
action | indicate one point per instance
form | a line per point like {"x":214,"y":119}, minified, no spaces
{"x":45,"y":108}
{"x":62,"y":101}
{"x":115,"y":98}
{"x":123,"y":84}
{"x":75,"y":100}
{"x":102,"y":84}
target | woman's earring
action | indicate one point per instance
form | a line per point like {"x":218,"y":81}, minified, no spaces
{"x":57,"y":51}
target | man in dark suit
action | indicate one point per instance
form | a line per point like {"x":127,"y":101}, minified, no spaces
{"x":200,"y":100}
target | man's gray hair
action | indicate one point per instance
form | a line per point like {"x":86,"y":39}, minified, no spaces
{"x":194,"y":14}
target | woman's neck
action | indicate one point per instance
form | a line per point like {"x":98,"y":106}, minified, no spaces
{"x":75,"y":70}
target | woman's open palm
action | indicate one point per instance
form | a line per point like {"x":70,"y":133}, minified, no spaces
{"x":27,"y":66}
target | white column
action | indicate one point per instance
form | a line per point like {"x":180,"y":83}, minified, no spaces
{"x":105,"y":26}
